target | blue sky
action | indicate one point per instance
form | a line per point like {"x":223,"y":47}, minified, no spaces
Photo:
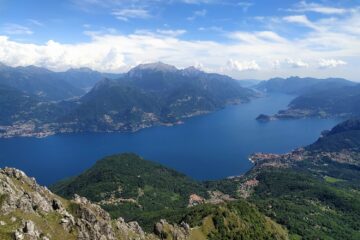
{"x":245,"y":39}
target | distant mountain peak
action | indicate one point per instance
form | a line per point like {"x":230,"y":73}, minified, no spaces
{"x":34,"y":69}
{"x":81,"y":69}
{"x":105,"y":82}
{"x":192,"y":71}
{"x":192,"y":68}
{"x":156,"y":66}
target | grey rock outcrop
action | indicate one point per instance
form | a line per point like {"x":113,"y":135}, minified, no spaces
{"x":166,"y":230}
{"x":78,"y":218}
{"x":22,"y":193}
{"x":130,"y":229}
{"x":28,"y":230}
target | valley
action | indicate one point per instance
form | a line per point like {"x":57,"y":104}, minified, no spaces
{"x":260,"y":183}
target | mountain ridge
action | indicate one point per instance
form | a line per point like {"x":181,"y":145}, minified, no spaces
{"x":141,"y":98}
{"x":319,"y":98}
{"x":298,"y":85}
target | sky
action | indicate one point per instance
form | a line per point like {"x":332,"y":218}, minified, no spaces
{"x":246,"y":39}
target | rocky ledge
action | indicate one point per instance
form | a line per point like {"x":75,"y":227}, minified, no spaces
{"x":30,"y":211}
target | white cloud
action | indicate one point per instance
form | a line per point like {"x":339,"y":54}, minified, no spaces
{"x":211,"y":28}
{"x":196,"y":14}
{"x":35,"y":22}
{"x":316,"y":52}
{"x":300,"y":19}
{"x":59,"y":56}
{"x":91,"y":5}
{"x":101,"y":31}
{"x":297,"y":63}
{"x":270,"y":36}
{"x":16,"y":29}
{"x":331,"y":63}
{"x":171,"y":32}
{"x":257,"y":37}
{"x":276,"y":64}
{"x":128,"y":13}
{"x":304,"y":6}
{"x":242,"y":65}
{"x":245,"y":5}
{"x":289,"y":63}
{"x":199,"y":1}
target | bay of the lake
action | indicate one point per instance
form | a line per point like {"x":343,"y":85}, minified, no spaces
{"x":211,"y":146}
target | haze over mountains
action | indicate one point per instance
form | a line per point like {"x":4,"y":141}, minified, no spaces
{"x":298,"y":85}
{"x":333,"y":97}
{"x":147,"y":95}
{"x":50,"y":85}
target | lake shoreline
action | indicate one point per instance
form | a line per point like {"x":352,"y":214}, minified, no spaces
{"x":30,"y":128}
{"x":211,"y":146}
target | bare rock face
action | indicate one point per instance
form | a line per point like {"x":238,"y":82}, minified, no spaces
{"x":22,"y":193}
{"x":166,"y":230}
{"x":195,"y":199}
{"x":78,"y":219}
{"x":93,"y":222}
{"x":28,"y":230}
{"x":130,"y":229}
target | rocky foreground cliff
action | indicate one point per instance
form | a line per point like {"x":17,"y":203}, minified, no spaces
{"x":29,"y":211}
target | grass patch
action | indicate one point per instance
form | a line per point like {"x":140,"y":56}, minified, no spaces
{"x":3,"y":198}
{"x":73,"y":208}
{"x":332,"y":179}
{"x":46,"y":223}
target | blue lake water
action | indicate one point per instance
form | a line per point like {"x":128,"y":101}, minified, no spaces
{"x":211,"y":146}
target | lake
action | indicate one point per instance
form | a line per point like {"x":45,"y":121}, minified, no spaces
{"x":211,"y":146}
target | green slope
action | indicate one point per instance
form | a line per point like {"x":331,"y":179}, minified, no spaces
{"x":311,"y":208}
{"x":344,"y":136}
{"x":317,"y":197}
{"x":340,"y":101}
{"x":235,"y":220}
{"x":148,"y":190}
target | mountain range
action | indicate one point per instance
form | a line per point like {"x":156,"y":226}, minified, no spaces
{"x":49,"y":85}
{"x":149,"y":94}
{"x":299,"y":86}
{"x":38,"y":102}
